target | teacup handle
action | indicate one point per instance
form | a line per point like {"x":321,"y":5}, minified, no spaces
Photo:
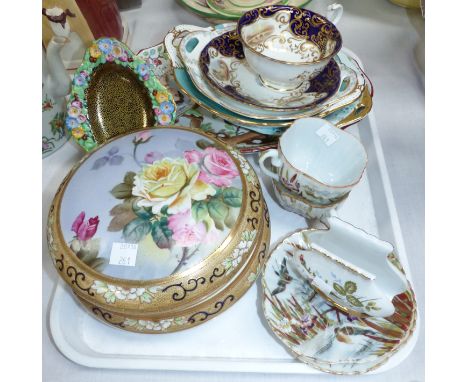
{"x":275,"y":161}
{"x":334,"y":13}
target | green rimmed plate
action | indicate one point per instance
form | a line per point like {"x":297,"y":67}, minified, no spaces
{"x":236,"y":8}
{"x":201,"y":8}
{"x":100,"y":106}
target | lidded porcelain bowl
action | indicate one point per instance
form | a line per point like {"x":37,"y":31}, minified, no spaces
{"x":153,"y":225}
{"x":287,"y":46}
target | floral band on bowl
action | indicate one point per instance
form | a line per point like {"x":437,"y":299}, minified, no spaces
{"x":102,"y":51}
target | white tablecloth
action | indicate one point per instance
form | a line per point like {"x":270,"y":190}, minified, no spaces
{"x":390,"y":41}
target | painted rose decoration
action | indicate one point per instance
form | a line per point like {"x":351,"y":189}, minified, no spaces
{"x":186,"y":232}
{"x":216,"y":166}
{"x":83,"y":244}
{"x":172,"y":183}
{"x":85,"y":230}
{"x":179,"y":201}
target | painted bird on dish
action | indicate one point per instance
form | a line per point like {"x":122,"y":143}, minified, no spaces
{"x":284,"y":278}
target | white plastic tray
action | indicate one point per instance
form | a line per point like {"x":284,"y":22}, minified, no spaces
{"x":239,"y":339}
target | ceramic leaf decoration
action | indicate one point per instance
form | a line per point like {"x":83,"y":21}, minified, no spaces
{"x":114,"y":91}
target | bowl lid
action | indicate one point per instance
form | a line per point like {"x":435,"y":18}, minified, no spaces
{"x":203,"y":310}
{"x":153,"y":221}
{"x":151,"y":204}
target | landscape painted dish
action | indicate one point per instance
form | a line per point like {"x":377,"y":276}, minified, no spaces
{"x":351,"y":269}
{"x":223,"y":64}
{"x":301,"y":206}
{"x":319,"y":333}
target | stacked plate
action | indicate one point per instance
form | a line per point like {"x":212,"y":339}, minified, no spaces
{"x":159,"y":230}
{"x":203,"y":72}
{"x":216,"y":10}
{"x":247,"y":140}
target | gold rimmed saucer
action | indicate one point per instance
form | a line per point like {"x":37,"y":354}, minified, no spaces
{"x":189,"y":50}
{"x":225,"y":68}
{"x":319,"y":333}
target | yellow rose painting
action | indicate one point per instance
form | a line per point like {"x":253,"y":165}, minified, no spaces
{"x":185,"y":201}
{"x":172,"y":183}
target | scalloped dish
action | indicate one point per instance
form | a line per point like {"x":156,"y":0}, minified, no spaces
{"x":350,"y":267}
{"x":319,"y":332}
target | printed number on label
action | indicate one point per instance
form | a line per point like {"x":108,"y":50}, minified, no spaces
{"x":123,"y":254}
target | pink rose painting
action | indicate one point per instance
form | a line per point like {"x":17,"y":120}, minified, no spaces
{"x":142,"y":137}
{"x":216,"y":166}
{"x":185,"y":231}
{"x":85,"y":230}
{"x":83,"y":244}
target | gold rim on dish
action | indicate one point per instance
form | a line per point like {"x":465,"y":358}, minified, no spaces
{"x":182,"y":310}
{"x":314,"y":362}
{"x":209,"y":308}
{"x":360,"y":110}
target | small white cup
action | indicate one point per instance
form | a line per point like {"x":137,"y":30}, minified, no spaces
{"x":317,"y":160}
